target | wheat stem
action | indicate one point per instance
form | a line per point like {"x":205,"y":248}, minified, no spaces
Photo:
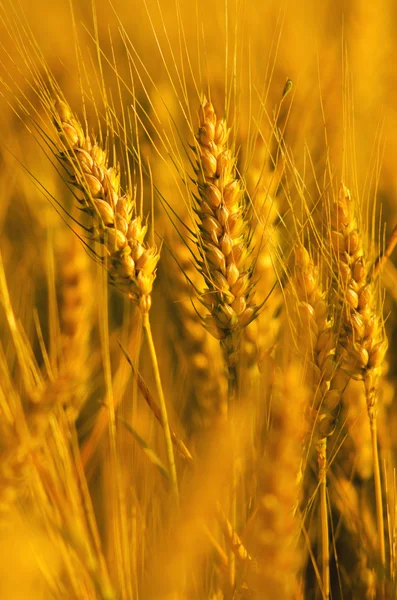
{"x":378,"y":490}
{"x":322,"y":477}
{"x":163,"y":407}
{"x":232,"y":392}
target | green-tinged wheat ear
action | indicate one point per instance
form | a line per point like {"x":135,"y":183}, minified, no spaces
{"x":131,"y":262}
{"x":224,"y":236}
{"x":273,"y":531}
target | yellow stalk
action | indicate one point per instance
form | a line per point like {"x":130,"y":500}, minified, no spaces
{"x":378,"y":492}
{"x":163,"y":408}
{"x":322,"y":476}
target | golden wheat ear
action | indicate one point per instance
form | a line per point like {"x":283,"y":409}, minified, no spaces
{"x":197,"y":350}
{"x":316,"y":344}
{"x":224,"y":236}
{"x":362,"y":342}
{"x":115,"y":224}
{"x":117,"y":227}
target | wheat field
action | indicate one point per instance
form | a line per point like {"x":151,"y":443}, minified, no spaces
{"x":198,"y":300}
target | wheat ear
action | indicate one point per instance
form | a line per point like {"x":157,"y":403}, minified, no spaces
{"x":224,"y":249}
{"x":75,"y":312}
{"x":262,"y":185}
{"x":224,"y":239}
{"x":116,"y":226}
{"x":194,"y":343}
{"x":131,"y":262}
{"x":363,"y":342}
{"x":317,"y":342}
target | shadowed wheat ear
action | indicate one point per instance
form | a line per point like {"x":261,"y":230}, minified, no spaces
{"x":224,"y":238}
{"x":115,"y":224}
{"x":75,"y":312}
{"x":354,"y":541}
{"x":363,"y":342}
{"x":317,"y":343}
{"x":273,"y":532}
{"x":263,"y":182}
{"x":197,"y":349}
